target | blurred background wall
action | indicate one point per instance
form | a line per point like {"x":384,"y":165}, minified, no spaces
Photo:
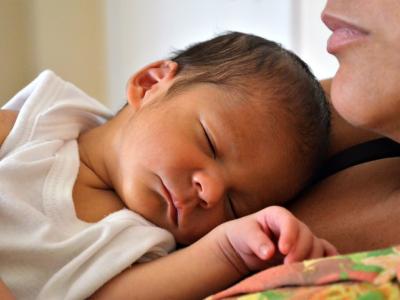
{"x":14,"y":47}
{"x":98,"y":44}
{"x":67,"y":36}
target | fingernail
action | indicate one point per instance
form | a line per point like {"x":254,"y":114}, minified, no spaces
{"x":264,"y":250}
{"x":284,"y":248}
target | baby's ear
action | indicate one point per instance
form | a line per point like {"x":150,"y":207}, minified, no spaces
{"x":150,"y":78}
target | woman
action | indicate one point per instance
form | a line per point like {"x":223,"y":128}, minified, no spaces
{"x":358,"y":207}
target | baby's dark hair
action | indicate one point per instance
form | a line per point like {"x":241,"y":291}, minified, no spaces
{"x":251,"y":65}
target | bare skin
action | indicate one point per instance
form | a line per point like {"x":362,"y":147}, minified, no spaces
{"x":366,"y":217}
{"x":360,"y":205}
{"x":359,"y":221}
{"x":5,"y":293}
{"x":222,"y":256}
{"x":7,"y":118}
{"x":356,"y":209}
{"x":218,"y":259}
{"x":365,"y":89}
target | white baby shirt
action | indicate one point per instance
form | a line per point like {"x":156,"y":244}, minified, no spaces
{"x":46,"y":252}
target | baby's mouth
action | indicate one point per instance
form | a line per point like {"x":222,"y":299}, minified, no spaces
{"x":172,"y":209}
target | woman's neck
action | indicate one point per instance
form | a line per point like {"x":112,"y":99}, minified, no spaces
{"x":345,"y":135}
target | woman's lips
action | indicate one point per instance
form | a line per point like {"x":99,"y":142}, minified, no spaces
{"x":343,"y":33}
{"x":172,"y":210}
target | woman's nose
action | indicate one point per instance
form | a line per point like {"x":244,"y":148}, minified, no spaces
{"x":209,"y":187}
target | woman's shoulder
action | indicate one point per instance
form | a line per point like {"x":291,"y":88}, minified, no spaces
{"x":7,"y":121}
{"x":370,"y":150}
{"x":357,"y":208}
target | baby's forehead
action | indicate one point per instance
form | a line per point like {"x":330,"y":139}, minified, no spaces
{"x":261,"y":140}
{"x":239,"y":117}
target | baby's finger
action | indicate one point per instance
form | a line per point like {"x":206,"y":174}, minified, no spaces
{"x":284,"y":226}
{"x":317,"y":249}
{"x":261,"y":245}
{"x":329,"y":249}
{"x":302,"y":247}
{"x":289,"y":236}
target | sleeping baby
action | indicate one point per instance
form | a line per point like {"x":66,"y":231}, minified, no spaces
{"x":211,"y":142}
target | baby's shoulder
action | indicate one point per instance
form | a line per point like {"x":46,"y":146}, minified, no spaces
{"x":7,"y":120}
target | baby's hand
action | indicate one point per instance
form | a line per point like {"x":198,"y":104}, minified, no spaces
{"x":261,"y":239}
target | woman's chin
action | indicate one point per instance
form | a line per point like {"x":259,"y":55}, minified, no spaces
{"x":351,"y":102}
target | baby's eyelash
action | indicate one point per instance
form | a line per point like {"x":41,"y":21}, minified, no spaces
{"x":210,"y":143}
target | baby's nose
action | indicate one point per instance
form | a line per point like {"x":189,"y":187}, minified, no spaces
{"x":209,"y":187}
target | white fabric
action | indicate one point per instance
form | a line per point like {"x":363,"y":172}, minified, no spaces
{"x":45,"y":251}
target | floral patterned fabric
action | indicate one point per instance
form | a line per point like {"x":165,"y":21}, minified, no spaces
{"x":363,"y":276}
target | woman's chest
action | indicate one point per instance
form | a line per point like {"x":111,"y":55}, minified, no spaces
{"x":356,"y":209}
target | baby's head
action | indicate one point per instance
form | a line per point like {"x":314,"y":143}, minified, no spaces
{"x":221,"y":130}
{"x":261,"y":72}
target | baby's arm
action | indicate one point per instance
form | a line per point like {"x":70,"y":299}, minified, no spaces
{"x":5,"y":293}
{"x":193,"y":272}
{"x":219,"y":259}
{"x":7,"y":120}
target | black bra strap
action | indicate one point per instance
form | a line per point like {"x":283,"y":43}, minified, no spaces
{"x":361,"y":153}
